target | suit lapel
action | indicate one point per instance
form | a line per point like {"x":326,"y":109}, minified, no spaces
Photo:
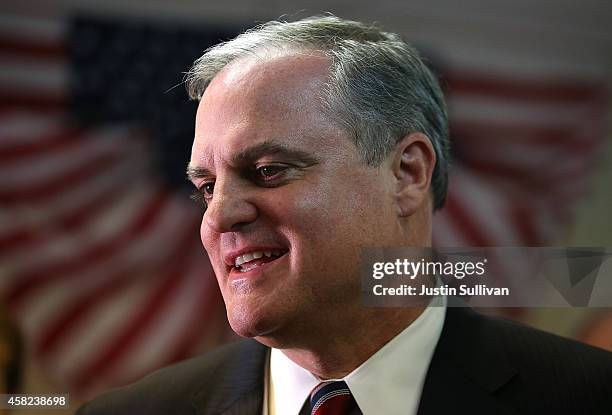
{"x":238,"y":387}
{"x":467,"y":368}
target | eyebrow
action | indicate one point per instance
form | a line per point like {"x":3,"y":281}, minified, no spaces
{"x":253,"y":153}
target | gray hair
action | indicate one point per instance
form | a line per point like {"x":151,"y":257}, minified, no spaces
{"x":379,"y":88}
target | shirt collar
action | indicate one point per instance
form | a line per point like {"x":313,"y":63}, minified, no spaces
{"x":380,"y":384}
{"x":290,"y":384}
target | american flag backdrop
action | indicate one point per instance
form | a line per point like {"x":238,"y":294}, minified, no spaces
{"x":100,"y":254}
{"x":100,"y":258}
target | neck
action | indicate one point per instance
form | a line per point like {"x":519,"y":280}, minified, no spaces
{"x":336,"y":351}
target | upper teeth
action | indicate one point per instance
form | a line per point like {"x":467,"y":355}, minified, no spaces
{"x":241,"y":259}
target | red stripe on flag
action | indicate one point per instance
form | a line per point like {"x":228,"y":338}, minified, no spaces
{"x":59,"y":141}
{"x":522,"y":219}
{"x":493,"y":131}
{"x":525,"y":177}
{"x":32,"y":101}
{"x":524,"y":89}
{"x":18,"y":46}
{"x":39,"y":192}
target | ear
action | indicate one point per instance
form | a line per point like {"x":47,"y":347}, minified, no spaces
{"x":413,"y":163}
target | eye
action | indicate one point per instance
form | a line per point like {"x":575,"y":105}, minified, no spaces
{"x":207,"y":189}
{"x":203,"y":194}
{"x":269,"y":172}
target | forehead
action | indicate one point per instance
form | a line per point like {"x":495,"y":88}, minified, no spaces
{"x":255,"y":100}
{"x":269,"y":84}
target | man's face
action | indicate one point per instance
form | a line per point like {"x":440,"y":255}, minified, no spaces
{"x":289,"y":199}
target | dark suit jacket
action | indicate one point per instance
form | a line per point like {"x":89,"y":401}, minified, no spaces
{"x":481,"y":365}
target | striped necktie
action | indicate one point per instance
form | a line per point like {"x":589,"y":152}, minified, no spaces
{"x":332,"y":398}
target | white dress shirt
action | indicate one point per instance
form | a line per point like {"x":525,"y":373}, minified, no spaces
{"x":390,"y":382}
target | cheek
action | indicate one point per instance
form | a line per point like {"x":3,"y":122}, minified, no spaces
{"x":320,"y":221}
{"x":341,"y":218}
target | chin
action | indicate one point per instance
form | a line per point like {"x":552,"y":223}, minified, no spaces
{"x":248,"y":321}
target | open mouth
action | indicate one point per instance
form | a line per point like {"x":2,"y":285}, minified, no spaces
{"x":256,"y":259}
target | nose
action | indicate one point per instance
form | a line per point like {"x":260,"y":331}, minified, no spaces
{"x":229,"y":209}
